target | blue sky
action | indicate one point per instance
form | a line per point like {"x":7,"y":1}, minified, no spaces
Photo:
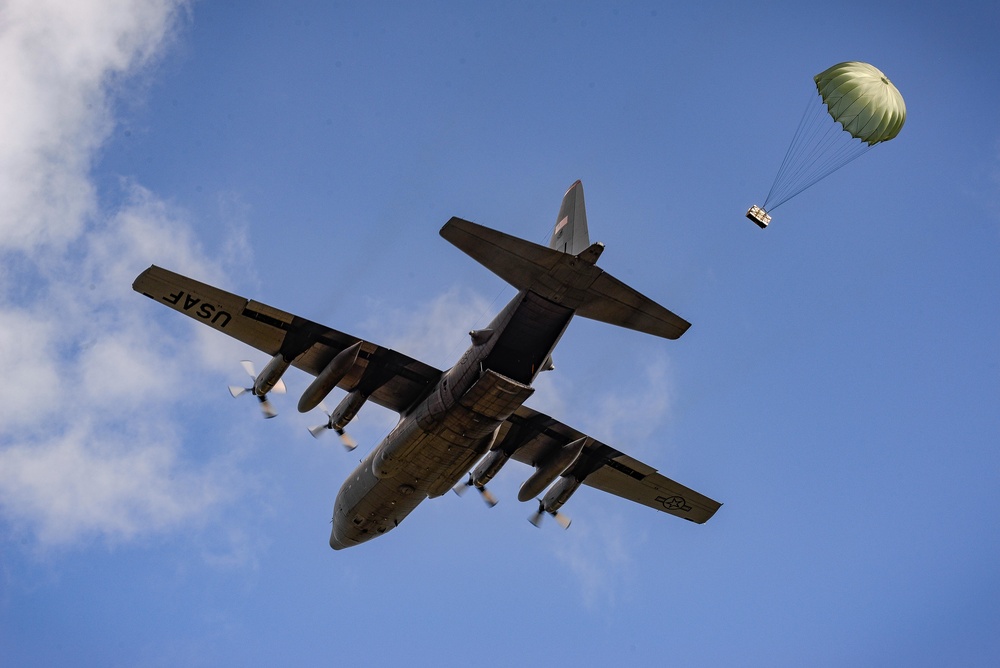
{"x":839,"y":389}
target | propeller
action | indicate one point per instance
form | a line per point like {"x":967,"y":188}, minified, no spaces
{"x":536,"y":517}
{"x":265,"y":406}
{"x":318,"y":430}
{"x":487,"y":495}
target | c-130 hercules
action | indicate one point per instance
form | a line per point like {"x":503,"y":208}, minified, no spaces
{"x":474,"y":411}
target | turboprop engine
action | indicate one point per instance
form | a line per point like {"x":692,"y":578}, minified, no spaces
{"x":341,"y":416}
{"x":554,"y":499}
{"x":271,"y":375}
{"x":269,"y":380}
{"x":487,"y":468}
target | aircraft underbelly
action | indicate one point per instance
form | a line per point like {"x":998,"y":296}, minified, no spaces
{"x":425,"y":455}
{"x":528,"y":337}
{"x":434,"y":446}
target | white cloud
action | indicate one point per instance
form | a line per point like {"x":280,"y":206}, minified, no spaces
{"x":82,"y":454}
{"x":56,"y":59}
{"x":83,"y":482}
{"x":30,"y":372}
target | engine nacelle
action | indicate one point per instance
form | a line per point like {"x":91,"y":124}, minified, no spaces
{"x":347,"y":409}
{"x":490,"y":464}
{"x":334,"y":372}
{"x":559,"y":493}
{"x":270,"y":376}
{"x":547,"y":470}
{"x":489,"y":467}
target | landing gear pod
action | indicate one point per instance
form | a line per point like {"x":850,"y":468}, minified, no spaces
{"x":759,"y":216}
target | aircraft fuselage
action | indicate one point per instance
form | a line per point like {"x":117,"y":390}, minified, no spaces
{"x":439,"y":438}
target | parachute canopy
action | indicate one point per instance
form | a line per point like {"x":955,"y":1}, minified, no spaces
{"x":866,"y":110}
{"x":862,"y":100}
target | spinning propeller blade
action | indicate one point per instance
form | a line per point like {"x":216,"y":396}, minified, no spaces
{"x":536,"y":517}
{"x":486,"y":494}
{"x":265,"y":406}
{"x":318,"y":430}
{"x":345,"y":439}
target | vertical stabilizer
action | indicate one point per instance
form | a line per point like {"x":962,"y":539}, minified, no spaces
{"x":571,"y":235}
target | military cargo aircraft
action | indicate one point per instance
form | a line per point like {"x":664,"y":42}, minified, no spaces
{"x":473,"y":411}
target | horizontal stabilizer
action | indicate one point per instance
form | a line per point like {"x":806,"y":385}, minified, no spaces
{"x":615,"y":303}
{"x":571,"y":280}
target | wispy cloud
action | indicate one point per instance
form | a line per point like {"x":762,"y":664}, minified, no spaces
{"x":598,"y":553}
{"x":435,"y":332}
{"x":598,"y":547}
{"x":634,"y":414}
{"x":81,"y":356}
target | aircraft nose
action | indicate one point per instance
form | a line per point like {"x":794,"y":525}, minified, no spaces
{"x":338,"y":539}
{"x":335,"y":541}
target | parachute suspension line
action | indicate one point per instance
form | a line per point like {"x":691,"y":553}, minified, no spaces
{"x":820,"y":147}
{"x":814,"y":134}
{"x":791,"y":146}
{"x":837,"y":160}
{"x":833,"y":149}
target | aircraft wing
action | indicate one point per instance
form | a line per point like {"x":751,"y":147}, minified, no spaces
{"x":532,"y":435}
{"x":389,"y":378}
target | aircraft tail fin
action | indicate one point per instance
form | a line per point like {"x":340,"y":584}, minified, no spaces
{"x":570,"y":279}
{"x":570,"y":234}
